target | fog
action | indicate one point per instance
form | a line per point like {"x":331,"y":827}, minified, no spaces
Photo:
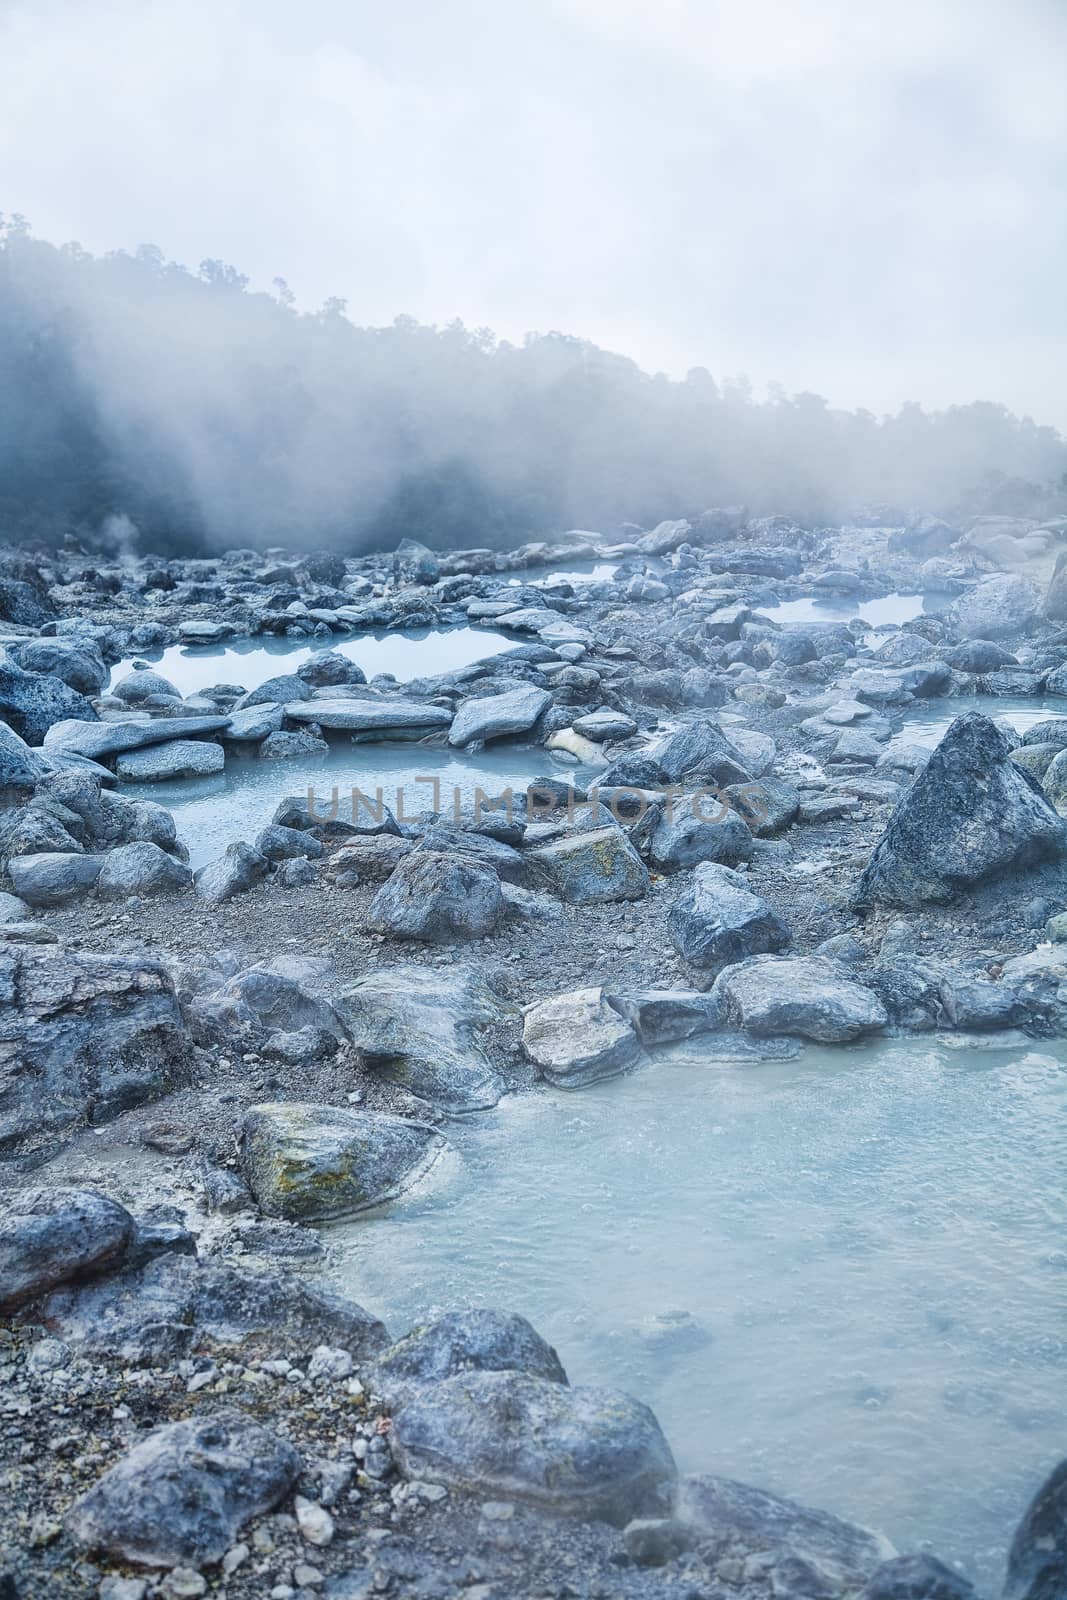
{"x":726,"y":212}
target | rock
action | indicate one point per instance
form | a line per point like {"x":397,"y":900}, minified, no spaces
{"x":578,"y":1038}
{"x":381,"y":717}
{"x":420,"y":1026}
{"x":140,"y":869}
{"x":697,"y":828}
{"x":28,"y":604}
{"x":438,"y":897}
{"x":593,"y":867}
{"x":328,"y":669}
{"x":1037,"y":1560}
{"x":808,"y":996}
{"x":414,"y":563}
{"x":589,"y":1453}
{"x":50,"y":1236}
{"x":53,"y":878}
{"x":30,"y":702}
{"x":917,"y":1578}
{"x":143,"y":684}
{"x":605,"y":724}
{"x":288,"y":746}
{"x":176,"y":1305}
{"x":308,"y":1162}
{"x":655,"y":1541}
{"x":741,"y":1519}
{"x":83,"y":1036}
{"x":183,"y":1494}
{"x":493,"y":716}
{"x":239,"y":870}
{"x":663,"y":1016}
{"x":768,"y":805}
{"x":979,"y":655}
{"x":78,"y":663}
{"x":287,"y":690}
{"x":1001,"y":606}
{"x":506,"y":862}
{"x":195,"y":631}
{"x":278,"y":843}
{"x":20,"y":767}
{"x":263,"y":1007}
{"x":98,"y":740}
{"x":971,"y":816}
{"x":254,"y":724}
{"x":1054,"y":605}
{"x":699,"y":751}
{"x":179,"y":758}
{"x":463,"y":1341}
{"x":922,"y":537}
{"x":718,"y":921}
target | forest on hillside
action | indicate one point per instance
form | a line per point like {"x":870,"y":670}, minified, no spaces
{"x":211,"y":415}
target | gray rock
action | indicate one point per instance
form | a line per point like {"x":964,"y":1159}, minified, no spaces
{"x":309,"y":1162}
{"x":463,"y":1341}
{"x":718,"y":920}
{"x":922,"y":537}
{"x":289,"y":746}
{"x":78,"y":663}
{"x":30,"y":702}
{"x":1001,"y":606}
{"x":12,"y":909}
{"x":287,"y":844}
{"x":438,"y":898}
{"x":594,"y":867}
{"x":605,"y":724}
{"x":253,"y":725}
{"x":971,"y":816}
{"x":506,"y":862}
{"x":917,"y":1578}
{"x":328,"y":669}
{"x":414,"y":563}
{"x":49,"y":1236}
{"x":257,"y":1005}
{"x":742,"y":1520}
{"x":183,"y":1494}
{"x":663,"y":1016}
{"x":98,"y":740}
{"x":589,"y":1453}
{"x":20,"y":767}
{"x":235,"y":872}
{"x":768,"y":805}
{"x":696,"y":828}
{"x":286,"y":690}
{"x":420,"y":1027}
{"x":1054,"y":605}
{"x":381,"y":717}
{"x":1037,"y":1560}
{"x":143,"y":684}
{"x":979,"y":655}
{"x":140,"y":869}
{"x":700,"y":750}
{"x":808,"y":996}
{"x":579,"y":1038}
{"x":53,"y":878}
{"x":179,"y":758}
{"x":496,"y":715}
{"x":83,"y":1036}
{"x":294,"y":874}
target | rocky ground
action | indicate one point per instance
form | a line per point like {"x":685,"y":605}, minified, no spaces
{"x":195,"y":1071}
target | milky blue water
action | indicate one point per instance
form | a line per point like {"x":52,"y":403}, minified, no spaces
{"x":842,"y":1278}
{"x":927,"y":721}
{"x":895,"y":608}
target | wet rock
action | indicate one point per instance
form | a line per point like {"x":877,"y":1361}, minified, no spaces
{"x":698,"y":828}
{"x":307,"y":1163}
{"x":917,"y":1578}
{"x":30,"y":702}
{"x":143,"y":684}
{"x":743,"y":1519}
{"x":579,"y":1038}
{"x":808,"y":996}
{"x":288,"y":746}
{"x":979,"y":655}
{"x":588,"y":1453}
{"x":971,"y":816}
{"x":1037,"y":1560}
{"x":235,"y":872}
{"x":379,"y":717}
{"x":493,"y":716}
{"x":420,"y":1027}
{"x":178,"y":758}
{"x":438,"y":898}
{"x":463,"y":1341}
{"x":718,"y":921}
{"x":49,"y":1236}
{"x":253,"y":725}
{"x":328,"y":669}
{"x":663,"y":1016}
{"x":98,"y":740}
{"x":183,"y":1494}
{"x":287,"y":690}
{"x":83,"y":1036}
{"x":53,"y":878}
{"x":140,"y":869}
{"x":1001,"y":606}
{"x":593,"y":867}
{"x":78,"y":663}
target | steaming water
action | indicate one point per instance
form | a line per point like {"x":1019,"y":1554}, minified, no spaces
{"x":211,"y":813}
{"x":927,"y":722}
{"x":843,"y":1278}
{"x":896,"y":608}
{"x":419,"y":654}
{"x":580,"y":572}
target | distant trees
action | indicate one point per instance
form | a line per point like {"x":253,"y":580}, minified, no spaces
{"x":211,"y":414}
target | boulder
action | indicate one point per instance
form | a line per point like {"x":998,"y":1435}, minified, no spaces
{"x":20,"y":767}
{"x":143,"y":684}
{"x":382,"y":717}
{"x":588,"y":1453}
{"x":697,"y":828}
{"x":922,"y":537}
{"x":328,"y":669}
{"x":414,"y":563}
{"x":53,"y":877}
{"x":1054,"y":605}
{"x":438,"y":897}
{"x":663,"y":1016}
{"x":979,"y":655}
{"x":31,"y":702}
{"x":463,"y":1341}
{"x":254,"y":724}
{"x":971,"y":816}
{"x":286,"y":690}
{"x":268,"y":1009}
{"x":493,"y":716}
{"x":741,"y":1521}
{"x":420,"y":1027}
{"x":917,"y":1578}
{"x":1001,"y":606}
{"x":807,"y":996}
{"x":579,"y":1038}
{"x":98,"y":740}
{"x":308,"y":1163}
{"x":279,"y":843}
{"x":701,"y":751}
{"x":593,"y":867}
{"x":83,"y":1036}
{"x":235,"y":872}
{"x":50,"y":1236}
{"x":718,"y":921}
{"x":178,"y":758}
{"x":140,"y":869}
{"x":768,"y":805}
{"x":291,"y":746}
{"x":1037,"y":1560}
{"x":182,"y":1495}
{"x":76,"y":661}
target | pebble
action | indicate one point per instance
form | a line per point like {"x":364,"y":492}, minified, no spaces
{"x":313,"y":1520}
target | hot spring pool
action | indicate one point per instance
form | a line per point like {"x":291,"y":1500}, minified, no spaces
{"x":842,"y":1278}
{"x":927,"y":721}
{"x":896,"y":608}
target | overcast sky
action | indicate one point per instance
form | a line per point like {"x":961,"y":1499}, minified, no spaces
{"x":862,"y":197}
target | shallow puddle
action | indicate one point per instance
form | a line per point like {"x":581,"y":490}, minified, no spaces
{"x":842,"y":1278}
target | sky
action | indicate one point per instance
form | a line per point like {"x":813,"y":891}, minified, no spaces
{"x":867,"y":198}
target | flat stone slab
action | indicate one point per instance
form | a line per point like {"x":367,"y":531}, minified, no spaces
{"x":179,"y":758}
{"x":100,"y":739}
{"x":369,"y":716}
